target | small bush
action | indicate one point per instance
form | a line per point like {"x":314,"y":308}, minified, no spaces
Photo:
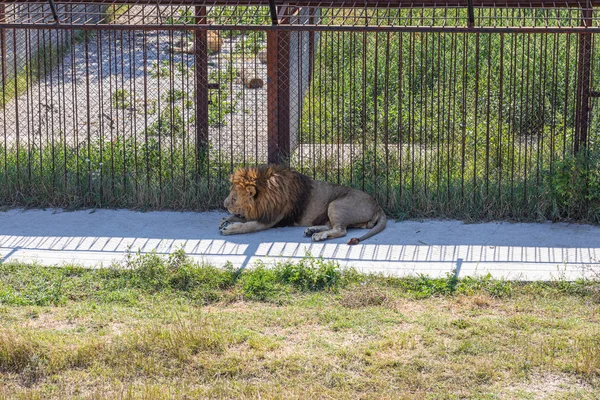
{"x":309,"y":274}
{"x":573,"y":186}
{"x":170,"y":123}
{"x":261,"y":283}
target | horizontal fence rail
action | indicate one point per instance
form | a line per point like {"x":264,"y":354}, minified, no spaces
{"x":483,"y":16}
{"x":479,"y":112}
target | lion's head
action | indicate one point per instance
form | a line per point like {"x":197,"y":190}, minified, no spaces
{"x":265,"y":193}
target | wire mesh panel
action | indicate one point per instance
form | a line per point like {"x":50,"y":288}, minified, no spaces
{"x":437,"y":123}
{"x":436,"y":111}
{"x":109,"y":118}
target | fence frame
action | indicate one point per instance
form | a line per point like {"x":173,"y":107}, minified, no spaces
{"x":278,"y":50}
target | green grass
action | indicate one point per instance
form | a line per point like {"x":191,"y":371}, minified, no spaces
{"x":122,"y":173}
{"x":157,"y":326}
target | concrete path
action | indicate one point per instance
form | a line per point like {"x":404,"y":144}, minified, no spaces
{"x":542,"y":251}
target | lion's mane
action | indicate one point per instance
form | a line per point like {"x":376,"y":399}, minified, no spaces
{"x":280,"y":193}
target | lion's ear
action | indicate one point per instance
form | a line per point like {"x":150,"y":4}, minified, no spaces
{"x":251,"y":190}
{"x":231,"y":178}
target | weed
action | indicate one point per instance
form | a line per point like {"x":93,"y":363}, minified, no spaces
{"x":174,"y":95}
{"x":170,"y":123}
{"x":121,"y":98}
{"x":161,"y":70}
{"x":252,"y":43}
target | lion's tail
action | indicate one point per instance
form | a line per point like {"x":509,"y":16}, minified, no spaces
{"x":379,"y":226}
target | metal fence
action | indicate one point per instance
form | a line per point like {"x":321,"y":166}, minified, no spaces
{"x":470,"y":109}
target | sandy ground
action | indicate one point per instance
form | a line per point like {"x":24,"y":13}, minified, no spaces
{"x":532,"y":251}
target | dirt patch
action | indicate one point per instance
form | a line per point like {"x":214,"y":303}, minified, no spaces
{"x":549,"y":385}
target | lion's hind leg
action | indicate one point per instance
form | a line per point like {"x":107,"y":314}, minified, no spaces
{"x":343,"y":213}
{"x":335,"y":232}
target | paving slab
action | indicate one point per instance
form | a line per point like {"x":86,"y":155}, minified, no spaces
{"x":514,"y":251}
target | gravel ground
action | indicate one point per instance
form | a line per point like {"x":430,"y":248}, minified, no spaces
{"x":75,"y":101}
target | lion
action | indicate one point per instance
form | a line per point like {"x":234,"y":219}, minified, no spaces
{"x":274,"y":196}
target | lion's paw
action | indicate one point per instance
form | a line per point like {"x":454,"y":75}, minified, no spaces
{"x":224,"y":222}
{"x":319,"y":236}
{"x":229,"y":228}
{"x":308,"y":232}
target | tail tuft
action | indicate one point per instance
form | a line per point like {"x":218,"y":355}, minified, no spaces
{"x":353,"y":241}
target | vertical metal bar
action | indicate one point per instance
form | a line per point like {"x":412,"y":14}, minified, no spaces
{"x":423,"y":128}
{"x":464,"y":117}
{"x":132,"y":86}
{"x":278,"y":94}
{"x":337,"y":77}
{"x":273,"y":12}
{"x":283,"y":86}
{"x":99,"y":44}
{"x":325,"y":123}
{"x":583,"y":80}
{"x":476,"y":117}
{"x":452,"y":111}
{"x":17,"y":127}
{"x":375,"y":110}
{"x":311,"y":45}
{"x":567,"y":86}
{"x":75,"y":110}
{"x":364,"y":106}
{"x":471,"y":13}
{"x":512,"y":113}
{"x":160,"y":115}
{"x":48,"y":66}
{"x":201,"y":75}
{"x":171,"y":106}
{"x":88,"y":116}
{"x":3,"y":50}
{"x":3,"y":62}
{"x":111,"y":125}
{"x":386,"y":117}
{"x":411,"y":113}
{"x":441,"y":72}
{"x":487,"y":130}
{"x":541,"y":99}
{"x":145,"y":80}
{"x":123,"y":110}
{"x":554,"y":87}
{"x":272,"y":96}
{"x":400,"y":127}
{"x":500,"y":116}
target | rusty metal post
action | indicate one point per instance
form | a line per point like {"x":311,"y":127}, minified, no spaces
{"x":3,"y":43}
{"x":201,"y":75}
{"x":583,"y":81}
{"x":471,"y":13}
{"x":278,"y":94}
{"x":311,"y":44}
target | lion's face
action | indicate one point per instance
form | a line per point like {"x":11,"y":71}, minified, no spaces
{"x":240,"y":201}
{"x":260,"y":194}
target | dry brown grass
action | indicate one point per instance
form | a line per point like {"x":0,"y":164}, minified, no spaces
{"x":370,"y":340}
